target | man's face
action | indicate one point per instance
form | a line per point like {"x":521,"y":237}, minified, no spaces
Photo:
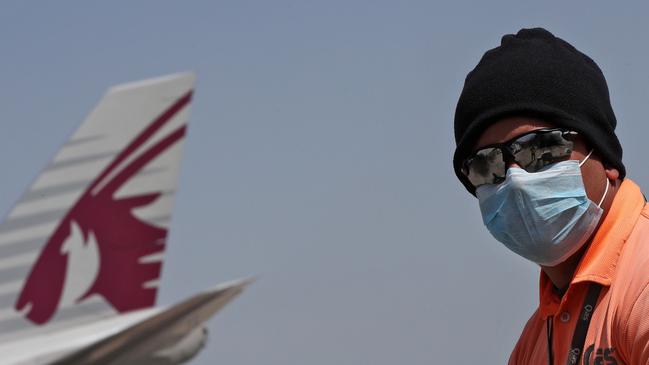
{"x":593,"y":172}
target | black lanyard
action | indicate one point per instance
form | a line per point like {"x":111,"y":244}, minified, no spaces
{"x":581,"y":329}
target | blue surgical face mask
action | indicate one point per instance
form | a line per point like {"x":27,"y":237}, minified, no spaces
{"x":543,"y":216}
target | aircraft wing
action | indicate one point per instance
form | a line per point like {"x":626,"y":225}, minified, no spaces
{"x":172,"y":336}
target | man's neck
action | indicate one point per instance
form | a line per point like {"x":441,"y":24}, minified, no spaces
{"x":561,"y":275}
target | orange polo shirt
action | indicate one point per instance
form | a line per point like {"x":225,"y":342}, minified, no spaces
{"x":617,"y":259}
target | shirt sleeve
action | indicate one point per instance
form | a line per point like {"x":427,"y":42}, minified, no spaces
{"x":534,"y":328}
{"x":514,"y":358}
{"x":635,"y":339}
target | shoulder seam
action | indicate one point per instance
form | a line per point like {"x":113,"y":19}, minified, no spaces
{"x":645,"y":210}
{"x":628,"y":316}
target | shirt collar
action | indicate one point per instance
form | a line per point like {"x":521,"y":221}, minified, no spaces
{"x":599,"y":262}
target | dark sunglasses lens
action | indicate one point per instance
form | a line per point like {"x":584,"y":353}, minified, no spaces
{"x":487,"y":166}
{"x":534,"y":151}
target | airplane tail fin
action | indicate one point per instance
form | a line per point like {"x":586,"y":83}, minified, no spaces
{"x":87,"y":239}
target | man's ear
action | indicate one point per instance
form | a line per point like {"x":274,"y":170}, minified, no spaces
{"x":612,"y":174}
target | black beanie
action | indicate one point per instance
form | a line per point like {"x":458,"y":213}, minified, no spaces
{"x":536,"y":74}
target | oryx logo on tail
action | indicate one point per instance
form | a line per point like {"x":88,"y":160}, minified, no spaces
{"x":102,"y":231}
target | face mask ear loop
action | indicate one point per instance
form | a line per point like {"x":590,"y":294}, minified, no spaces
{"x":607,"y":182}
{"x":586,"y":158}
{"x":605,"y":191}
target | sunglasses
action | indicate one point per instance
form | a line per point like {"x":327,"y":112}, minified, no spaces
{"x":531,"y":151}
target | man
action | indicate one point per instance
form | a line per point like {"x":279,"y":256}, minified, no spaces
{"x":535,"y":143}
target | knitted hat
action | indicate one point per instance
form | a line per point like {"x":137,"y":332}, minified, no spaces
{"x":536,"y":74}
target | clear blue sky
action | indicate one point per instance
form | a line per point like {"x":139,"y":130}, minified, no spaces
{"x":318,"y":158}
